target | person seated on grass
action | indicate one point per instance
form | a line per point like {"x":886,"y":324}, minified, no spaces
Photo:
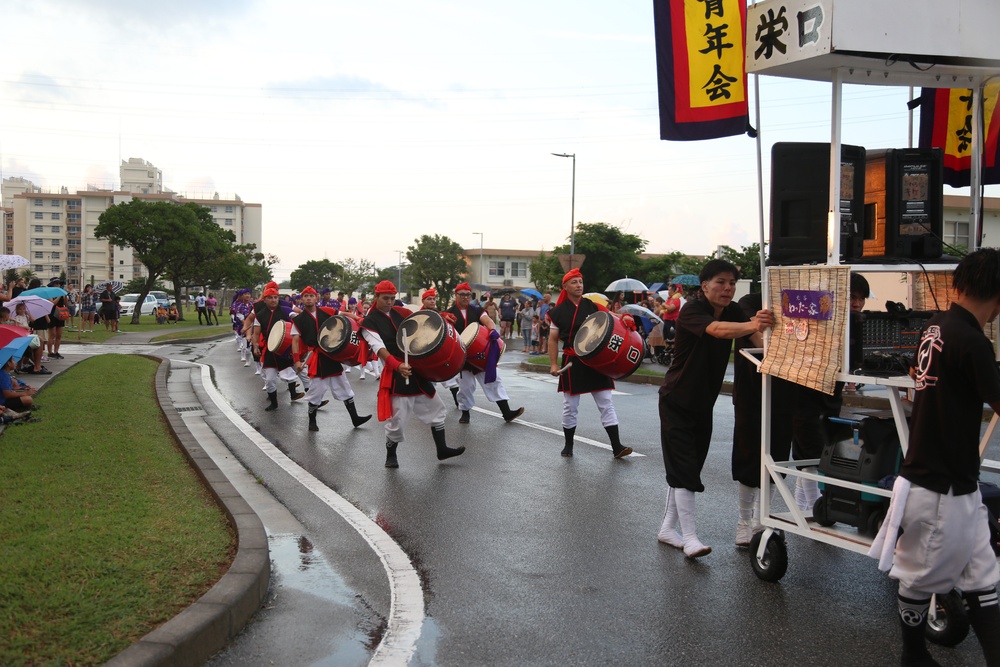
{"x":161,"y":314}
{"x":16,"y":395}
{"x":172,"y":314}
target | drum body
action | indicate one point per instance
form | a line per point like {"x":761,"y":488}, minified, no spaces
{"x":436,"y":352}
{"x":279,"y":341}
{"x":476,"y":341}
{"x":339,"y":339}
{"x":604,"y":344}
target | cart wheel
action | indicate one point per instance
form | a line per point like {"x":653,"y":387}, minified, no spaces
{"x":952,"y":624}
{"x":875,"y":520}
{"x":774,"y":563}
{"x":820,"y":515}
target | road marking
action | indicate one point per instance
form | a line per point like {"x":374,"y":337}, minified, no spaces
{"x":406,"y":607}
{"x":546,"y":429}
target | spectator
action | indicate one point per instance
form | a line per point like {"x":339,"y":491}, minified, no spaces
{"x":508,"y":310}
{"x":172,"y":313}
{"x":20,"y":318}
{"x":17,"y":287}
{"x":17,"y":395}
{"x":57,"y":322}
{"x":41,"y":328}
{"x":161,"y":314}
{"x":199,"y":304}
{"x":88,"y":309}
{"x":210,"y":304}
{"x":72,"y":296}
{"x":491,"y":309}
{"x":108,"y":311}
{"x":528,"y":314}
{"x":535,"y":332}
{"x":117,"y":314}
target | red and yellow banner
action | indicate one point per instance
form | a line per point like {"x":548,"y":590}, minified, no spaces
{"x":946,"y":122}
{"x":700,"y":68}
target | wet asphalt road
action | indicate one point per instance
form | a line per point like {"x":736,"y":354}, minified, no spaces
{"x":528,"y":558}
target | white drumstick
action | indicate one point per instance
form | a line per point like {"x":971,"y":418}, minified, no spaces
{"x":406,"y":352}
{"x":565,"y":368}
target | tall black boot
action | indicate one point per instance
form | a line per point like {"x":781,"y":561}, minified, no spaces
{"x":272,"y":397}
{"x":616,"y":443}
{"x":568,"y":433}
{"x":312,"y":417}
{"x":984,"y":617}
{"x":443,"y":450}
{"x":912,"y":620}
{"x":508,"y":414}
{"x":464,"y":419}
{"x":454,"y":395}
{"x":352,"y":409}
{"x":296,"y":395}
{"x":390,"y":454}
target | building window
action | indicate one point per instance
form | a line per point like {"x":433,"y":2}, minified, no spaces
{"x":39,"y":202}
{"x":518,"y":269}
{"x":121,"y":261}
{"x":39,"y":267}
{"x":38,"y":242}
{"x":56,"y":255}
{"x":72,"y":270}
{"x":56,"y":229}
{"x":56,"y":268}
{"x":229,"y":222}
{"x":71,"y":230}
{"x":56,"y":216}
{"x":229,"y":209}
{"x":56,"y":203}
{"x":39,"y":229}
{"x":215,"y":209}
{"x":73,"y":244}
{"x":956,"y":234}
{"x":497,"y":269}
{"x":73,"y":217}
{"x":39,"y":215}
{"x":38,"y":255}
{"x":56,"y":242}
{"x":73,"y":204}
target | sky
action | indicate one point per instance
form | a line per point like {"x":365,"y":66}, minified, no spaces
{"x":360,"y":126}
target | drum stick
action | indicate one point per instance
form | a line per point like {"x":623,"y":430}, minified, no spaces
{"x":565,"y":368}
{"x":406,"y":352}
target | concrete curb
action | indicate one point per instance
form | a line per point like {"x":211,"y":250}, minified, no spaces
{"x":201,"y":630}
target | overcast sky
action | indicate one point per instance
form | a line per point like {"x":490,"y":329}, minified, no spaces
{"x":360,"y":126}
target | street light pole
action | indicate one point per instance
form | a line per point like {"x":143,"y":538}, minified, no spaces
{"x":480,"y":256}
{"x":572,"y":210}
{"x":399,"y":274}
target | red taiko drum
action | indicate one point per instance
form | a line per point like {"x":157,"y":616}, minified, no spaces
{"x":436,"y":352}
{"x":339,"y":339}
{"x":604,"y":344}
{"x":279,"y":341}
{"x":476,"y":341}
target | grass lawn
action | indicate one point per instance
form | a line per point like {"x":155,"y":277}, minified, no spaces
{"x":107,"y":532}
{"x":147,"y":324}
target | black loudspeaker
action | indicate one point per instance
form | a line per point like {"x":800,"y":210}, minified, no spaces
{"x":905,"y":194}
{"x":800,"y":202}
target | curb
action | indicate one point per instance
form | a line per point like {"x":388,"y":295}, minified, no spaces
{"x":205,"y":627}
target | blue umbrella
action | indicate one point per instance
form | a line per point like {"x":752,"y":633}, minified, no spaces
{"x":532,"y":292}
{"x":45,"y":292}
{"x":685,"y":279}
{"x":14,"y":349}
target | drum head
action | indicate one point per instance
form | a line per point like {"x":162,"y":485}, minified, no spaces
{"x":334,"y":334}
{"x":469,"y":334}
{"x":277,"y":336}
{"x":424,"y":330}
{"x":590,"y":337}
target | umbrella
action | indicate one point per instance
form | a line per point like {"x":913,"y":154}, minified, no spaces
{"x":12,"y":262}
{"x":479,"y":287}
{"x":597,"y":297}
{"x":14,"y":349}
{"x":626,"y":285}
{"x":44,"y":292}
{"x":116,"y":285}
{"x":633,"y":309}
{"x":36,"y":305}
{"x":656,"y":287}
{"x":688,"y":279}
{"x":9,"y":332}
{"x":532,"y":292}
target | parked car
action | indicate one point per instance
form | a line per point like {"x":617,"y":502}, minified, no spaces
{"x":128,"y":304}
{"x":161,"y":298}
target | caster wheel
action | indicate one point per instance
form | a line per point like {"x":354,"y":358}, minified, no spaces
{"x":820,"y":515}
{"x":774,"y":563}
{"x":875,"y":520}
{"x":951,"y":625}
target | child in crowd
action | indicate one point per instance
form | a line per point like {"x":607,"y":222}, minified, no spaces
{"x":21,"y":316}
{"x":535,"y":331}
{"x":161,"y":314}
{"x":172,"y":314}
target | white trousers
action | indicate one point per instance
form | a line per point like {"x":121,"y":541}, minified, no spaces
{"x":571,"y":405}
{"x":467,"y":380}
{"x":430,"y":411}
{"x":271,"y":376}
{"x":337,"y":385}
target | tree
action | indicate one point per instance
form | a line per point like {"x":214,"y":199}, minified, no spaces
{"x":662,"y":268}
{"x":318,"y":273}
{"x":610,"y":254}
{"x":747,"y":260}
{"x":546,"y":273}
{"x":438,"y":262}
{"x":354,"y":275}
{"x":167,"y":237}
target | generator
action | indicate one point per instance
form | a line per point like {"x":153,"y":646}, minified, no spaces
{"x":863,"y":451}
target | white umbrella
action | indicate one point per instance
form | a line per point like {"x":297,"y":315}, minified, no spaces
{"x":36,"y":305}
{"x":12,"y":262}
{"x":633,"y":309}
{"x":627,"y":285}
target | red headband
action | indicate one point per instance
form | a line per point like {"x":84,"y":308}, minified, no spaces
{"x":270,"y":291}
{"x":429,"y":293}
{"x":572,"y":273}
{"x":308,"y":289}
{"x":463,"y":286}
{"x":385,"y":287}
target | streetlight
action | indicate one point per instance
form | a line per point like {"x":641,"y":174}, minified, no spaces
{"x":399,"y":274}
{"x":480,"y":256}
{"x":572,"y":210}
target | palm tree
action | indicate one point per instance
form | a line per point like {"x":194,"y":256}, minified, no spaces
{"x":28,"y":275}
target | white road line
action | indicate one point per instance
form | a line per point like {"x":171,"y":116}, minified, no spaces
{"x":546,"y":429}
{"x":406,"y":610}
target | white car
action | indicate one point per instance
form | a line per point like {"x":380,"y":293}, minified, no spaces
{"x":128,"y":304}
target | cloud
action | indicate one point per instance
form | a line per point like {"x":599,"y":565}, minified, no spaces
{"x":340,"y":87}
{"x":154,"y":16}
{"x":37,"y":87}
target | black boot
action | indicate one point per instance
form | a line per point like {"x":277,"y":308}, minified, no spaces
{"x":912,"y":620}
{"x":443,"y":450}
{"x":454,"y":395}
{"x":616,"y":444}
{"x":568,"y":433}
{"x":464,"y":419}
{"x":508,"y":414}
{"x":296,"y":395}
{"x":312,"y":417}
{"x":353,"y":411}
{"x":272,"y":397}
{"x":390,"y":454}
{"x":984,"y":617}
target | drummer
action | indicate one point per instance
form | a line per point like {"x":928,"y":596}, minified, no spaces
{"x":465,"y":313}
{"x":265,"y":316}
{"x":575,"y":378}
{"x":325,"y":374}
{"x":239,"y":310}
{"x":428,"y":301}
{"x":401,"y":393}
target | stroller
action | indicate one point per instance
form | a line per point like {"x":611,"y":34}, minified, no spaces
{"x":658,"y":348}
